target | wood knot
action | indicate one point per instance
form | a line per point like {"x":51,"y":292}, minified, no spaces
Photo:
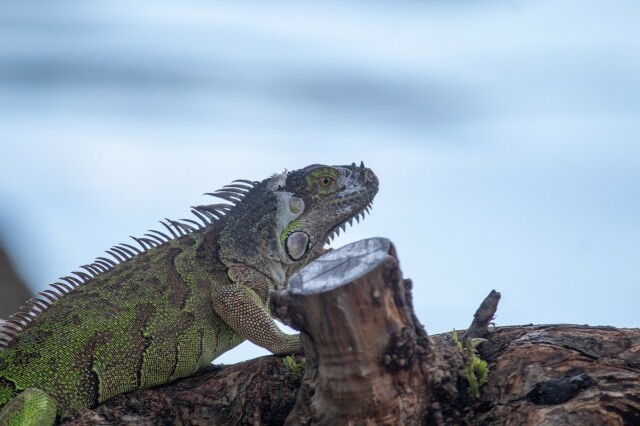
{"x":558,"y":391}
{"x":401,"y":349}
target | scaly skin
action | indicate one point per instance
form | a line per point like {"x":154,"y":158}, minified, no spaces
{"x":169,"y":311}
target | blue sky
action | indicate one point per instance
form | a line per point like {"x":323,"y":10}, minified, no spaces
{"x":505,"y":136}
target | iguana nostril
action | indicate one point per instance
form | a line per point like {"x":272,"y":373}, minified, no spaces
{"x":369,"y":176}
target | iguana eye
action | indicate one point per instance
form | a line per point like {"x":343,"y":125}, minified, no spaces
{"x":325,"y":181}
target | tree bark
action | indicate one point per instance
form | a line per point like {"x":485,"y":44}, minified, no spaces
{"x":559,"y":375}
{"x":369,"y":361}
{"x":255,"y":392}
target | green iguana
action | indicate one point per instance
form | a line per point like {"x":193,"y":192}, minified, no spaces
{"x":153,"y":314}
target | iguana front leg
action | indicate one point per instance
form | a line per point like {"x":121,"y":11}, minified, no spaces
{"x":247,"y":314}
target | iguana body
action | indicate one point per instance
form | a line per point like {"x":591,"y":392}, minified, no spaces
{"x":162,"y":314}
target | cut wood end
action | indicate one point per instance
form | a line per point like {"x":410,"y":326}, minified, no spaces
{"x":341,"y":266}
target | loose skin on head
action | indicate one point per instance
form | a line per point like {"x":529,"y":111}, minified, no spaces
{"x":151,"y":314}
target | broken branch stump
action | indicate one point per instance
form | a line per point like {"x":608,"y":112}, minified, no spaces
{"x":368,"y":359}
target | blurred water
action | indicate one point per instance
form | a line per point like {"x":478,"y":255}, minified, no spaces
{"x":504,"y":134}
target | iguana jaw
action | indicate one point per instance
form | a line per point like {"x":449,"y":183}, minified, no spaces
{"x":335,"y":230}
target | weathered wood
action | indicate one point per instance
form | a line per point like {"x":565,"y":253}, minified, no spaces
{"x":255,"y":392}
{"x":368,"y":360}
{"x":484,"y":315}
{"x":558,"y":375}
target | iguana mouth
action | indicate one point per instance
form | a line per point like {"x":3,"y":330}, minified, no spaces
{"x":335,"y":230}
{"x":369,"y":182}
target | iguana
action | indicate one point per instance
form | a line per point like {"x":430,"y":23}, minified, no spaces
{"x":151,"y":314}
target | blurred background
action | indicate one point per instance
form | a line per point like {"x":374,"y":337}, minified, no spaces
{"x":505,"y":135}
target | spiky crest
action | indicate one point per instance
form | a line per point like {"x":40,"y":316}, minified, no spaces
{"x":121,"y":253}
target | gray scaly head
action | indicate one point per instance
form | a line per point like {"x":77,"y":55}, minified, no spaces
{"x":308,"y":208}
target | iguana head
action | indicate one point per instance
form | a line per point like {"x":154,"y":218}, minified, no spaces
{"x":283,"y":222}
{"x":327,"y":197}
